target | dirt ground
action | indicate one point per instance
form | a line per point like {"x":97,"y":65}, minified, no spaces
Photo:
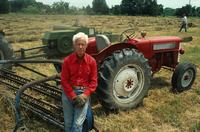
{"x":163,"y":110}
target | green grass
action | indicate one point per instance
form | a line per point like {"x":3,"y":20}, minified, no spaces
{"x":192,"y":54}
{"x":192,"y":32}
{"x":196,"y":127}
{"x":171,"y":113}
{"x":195,"y":99}
{"x":197,"y":90}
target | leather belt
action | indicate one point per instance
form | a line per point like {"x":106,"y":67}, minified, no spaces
{"x":79,"y":87}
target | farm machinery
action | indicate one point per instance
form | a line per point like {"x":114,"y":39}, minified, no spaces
{"x":125,"y":70}
{"x":58,"y":43}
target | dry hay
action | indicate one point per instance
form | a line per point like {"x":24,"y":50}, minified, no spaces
{"x":158,"y":28}
{"x":23,"y":38}
{"x":7,"y":113}
{"x":144,"y":117}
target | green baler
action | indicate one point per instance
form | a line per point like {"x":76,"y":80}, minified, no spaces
{"x":58,"y":43}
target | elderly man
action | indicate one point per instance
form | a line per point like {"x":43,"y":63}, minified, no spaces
{"x":79,"y":80}
{"x":184,"y":23}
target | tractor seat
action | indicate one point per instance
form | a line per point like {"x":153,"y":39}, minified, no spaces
{"x":102,"y":42}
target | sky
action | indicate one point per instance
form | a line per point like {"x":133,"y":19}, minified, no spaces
{"x":166,"y":3}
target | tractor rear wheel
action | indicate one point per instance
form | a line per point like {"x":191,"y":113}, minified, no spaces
{"x":6,"y":52}
{"x":184,"y":76}
{"x":123,"y":80}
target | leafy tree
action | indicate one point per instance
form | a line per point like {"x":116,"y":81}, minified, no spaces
{"x":26,"y":3}
{"x":116,"y":10}
{"x":140,"y":7}
{"x":40,"y":6}
{"x":188,"y":10}
{"x":60,"y":7}
{"x":151,"y":7}
{"x":198,"y":11}
{"x":92,"y":13}
{"x":18,"y":5}
{"x":133,"y":7}
{"x":100,"y":7}
{"x":72,"y":9}
{"x":31,"y":10}
{"x":48,"y":9}
{"x":160,"y":9}
{"x":127,"y":7}
{"x":4,"y":7}
{"x":88,"y":9}
{"x":169,"y":11}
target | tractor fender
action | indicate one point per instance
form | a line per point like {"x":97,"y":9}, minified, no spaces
{"x":109,"y":50}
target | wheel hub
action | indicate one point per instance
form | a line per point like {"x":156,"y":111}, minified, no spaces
{"x":64,"y":44}
{"x":187,"y":78}
{"x":126,"y":82}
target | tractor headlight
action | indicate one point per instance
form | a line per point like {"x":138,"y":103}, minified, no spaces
{"x":181,"y":51}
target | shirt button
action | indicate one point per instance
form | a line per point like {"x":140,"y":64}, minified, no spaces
{"x":80,"y":65}
{"x":78,"y":83}
{"x":80,"y":72}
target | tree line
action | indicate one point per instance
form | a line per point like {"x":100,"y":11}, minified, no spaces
{"x":99,"y":7}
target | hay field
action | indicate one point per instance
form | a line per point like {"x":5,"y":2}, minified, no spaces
{"x":163,"y":110}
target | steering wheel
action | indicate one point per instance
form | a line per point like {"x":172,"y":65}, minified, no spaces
{"x":126,"y":35}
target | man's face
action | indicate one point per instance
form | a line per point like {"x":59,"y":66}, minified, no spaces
{"x":80,"y":46}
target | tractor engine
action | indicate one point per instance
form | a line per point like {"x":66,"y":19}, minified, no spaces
{"x":160,"y":51}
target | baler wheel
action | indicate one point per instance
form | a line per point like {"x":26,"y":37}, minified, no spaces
{"x":123,"y":80}
{"x":65,"y":44}
{"x":184,"y":76}
{"x":6,"y":52}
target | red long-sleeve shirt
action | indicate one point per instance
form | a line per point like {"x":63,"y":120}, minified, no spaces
{"x":79,"y":73}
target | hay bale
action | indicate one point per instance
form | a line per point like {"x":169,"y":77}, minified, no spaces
{"x":187,"y":39}
{"x":191,"y":25}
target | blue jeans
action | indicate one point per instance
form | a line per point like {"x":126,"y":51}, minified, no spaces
{"x":73,"y":117}
{"x":183,"y":26}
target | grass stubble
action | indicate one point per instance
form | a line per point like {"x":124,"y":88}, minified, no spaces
{"x":164,"y":109}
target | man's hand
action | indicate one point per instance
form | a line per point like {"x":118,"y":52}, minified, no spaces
{"x":79,"y":100}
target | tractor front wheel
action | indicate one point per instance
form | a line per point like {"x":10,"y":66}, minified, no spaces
{"x":184,"y":76}
{"x":123,"y":80}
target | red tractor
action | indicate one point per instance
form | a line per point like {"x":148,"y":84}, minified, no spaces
{"x":126,"y":68}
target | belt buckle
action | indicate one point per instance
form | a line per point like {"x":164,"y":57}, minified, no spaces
{"x":79,"y":87}
{"x":76,"y":87}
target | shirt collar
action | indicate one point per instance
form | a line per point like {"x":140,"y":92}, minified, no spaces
{"x":75,"y":58}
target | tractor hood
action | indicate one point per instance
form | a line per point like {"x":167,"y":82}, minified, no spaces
{"x":150,"y":45}
{"x":160,"y":39}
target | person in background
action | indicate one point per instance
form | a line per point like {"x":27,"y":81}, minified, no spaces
{"x":184,"y":23}
{"x":79,"y":80}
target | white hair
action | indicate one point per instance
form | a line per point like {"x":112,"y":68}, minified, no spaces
{"x":79,"y":35}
